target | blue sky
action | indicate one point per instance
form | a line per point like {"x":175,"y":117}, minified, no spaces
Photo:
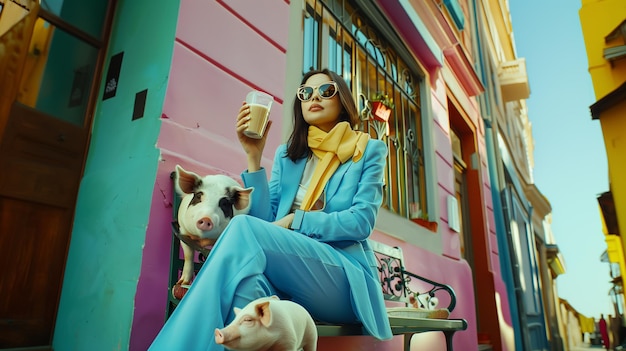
{"x":570,"y":158}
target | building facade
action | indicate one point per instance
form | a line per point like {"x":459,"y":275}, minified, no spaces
{"x":529,"y":257}
{"x":604,"y":26}
{"x":156,"y":86}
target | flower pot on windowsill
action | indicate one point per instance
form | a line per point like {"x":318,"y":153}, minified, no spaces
{"x":381,"y":111}
{"x":432,"y":226}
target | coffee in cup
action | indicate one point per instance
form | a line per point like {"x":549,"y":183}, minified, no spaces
{"x":260,"y":104}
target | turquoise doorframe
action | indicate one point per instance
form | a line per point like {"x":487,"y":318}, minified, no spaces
{"x":113,"y":206}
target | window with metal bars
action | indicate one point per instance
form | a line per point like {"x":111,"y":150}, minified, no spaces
{"x":337,"y":35}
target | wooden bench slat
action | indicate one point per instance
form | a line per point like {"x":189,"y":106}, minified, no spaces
{"x":426,"y":324}
{"x":339,"y":330}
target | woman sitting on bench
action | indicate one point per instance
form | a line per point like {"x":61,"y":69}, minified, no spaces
{"x":305,"y":238}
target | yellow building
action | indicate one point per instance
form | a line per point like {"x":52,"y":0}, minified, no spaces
{"x":603,"y":25}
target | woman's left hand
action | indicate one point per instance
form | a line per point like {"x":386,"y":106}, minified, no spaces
{"x":285,"y":222}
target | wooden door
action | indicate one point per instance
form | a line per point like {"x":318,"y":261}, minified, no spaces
{"x":51,"y":66}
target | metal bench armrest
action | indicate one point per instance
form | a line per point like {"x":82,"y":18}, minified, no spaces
{"x":436,"y":287}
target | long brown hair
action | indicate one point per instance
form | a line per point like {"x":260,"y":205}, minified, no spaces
{"x":297,"y":145}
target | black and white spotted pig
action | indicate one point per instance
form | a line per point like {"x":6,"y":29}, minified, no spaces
{"x":207,"y":206}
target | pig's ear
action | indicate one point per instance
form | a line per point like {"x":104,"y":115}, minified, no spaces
{"x":263,"y":311}
{"x":186,"y":182}
{"x":237,"y":310}
{"x":243,"y":199}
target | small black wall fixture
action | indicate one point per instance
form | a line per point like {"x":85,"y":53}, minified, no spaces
{"x":140,"y":104}
{"x":113,"y":76}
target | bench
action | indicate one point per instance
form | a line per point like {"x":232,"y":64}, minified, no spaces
{"x":406,"y":320}
{"x":398,"y":286}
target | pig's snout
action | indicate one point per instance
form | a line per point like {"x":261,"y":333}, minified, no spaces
{"x":205,"y":224}
{"x":226,"y":336}
{"x":219,"y":337}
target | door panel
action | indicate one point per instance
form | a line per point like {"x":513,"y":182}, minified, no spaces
{"x":41,"y":159}
{"x":34,"y":245}
{"x":43,"y":156}
{"x":528,"y":281}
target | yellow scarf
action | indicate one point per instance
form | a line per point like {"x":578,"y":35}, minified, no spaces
{"x":337,"y":146}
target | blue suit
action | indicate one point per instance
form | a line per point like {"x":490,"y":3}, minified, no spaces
{"x":324,"y":263}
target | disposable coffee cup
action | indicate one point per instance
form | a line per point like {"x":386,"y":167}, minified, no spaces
{"x":260,"y":104}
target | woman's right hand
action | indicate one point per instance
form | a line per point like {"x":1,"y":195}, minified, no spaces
{"x":252,"y":147}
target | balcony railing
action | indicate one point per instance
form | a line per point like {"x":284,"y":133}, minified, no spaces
{"x":514,"y":80}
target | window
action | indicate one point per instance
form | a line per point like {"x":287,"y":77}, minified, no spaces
{"x":65,"y":49}
{"x":338,"y":36}
{"x":460,"y":189}
{"x":455,"y":11}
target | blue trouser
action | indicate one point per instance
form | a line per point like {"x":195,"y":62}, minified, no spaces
{"x":254,"y":258}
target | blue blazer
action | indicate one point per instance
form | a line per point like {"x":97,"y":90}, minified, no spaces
{"x":353,"y":196}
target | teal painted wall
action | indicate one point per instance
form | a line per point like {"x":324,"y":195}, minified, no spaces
{"x":112,"y":211}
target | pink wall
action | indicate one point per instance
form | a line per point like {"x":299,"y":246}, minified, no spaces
{"x":223,"y":49}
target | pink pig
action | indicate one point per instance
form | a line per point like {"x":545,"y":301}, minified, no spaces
{"x":207,"y":206}
{"x":267,"y":324}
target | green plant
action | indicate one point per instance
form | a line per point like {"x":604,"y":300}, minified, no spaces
{"x":383,"y":98}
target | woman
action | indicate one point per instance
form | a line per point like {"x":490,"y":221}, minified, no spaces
{"x":604,"y":332}
{"x":305,"y":238}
